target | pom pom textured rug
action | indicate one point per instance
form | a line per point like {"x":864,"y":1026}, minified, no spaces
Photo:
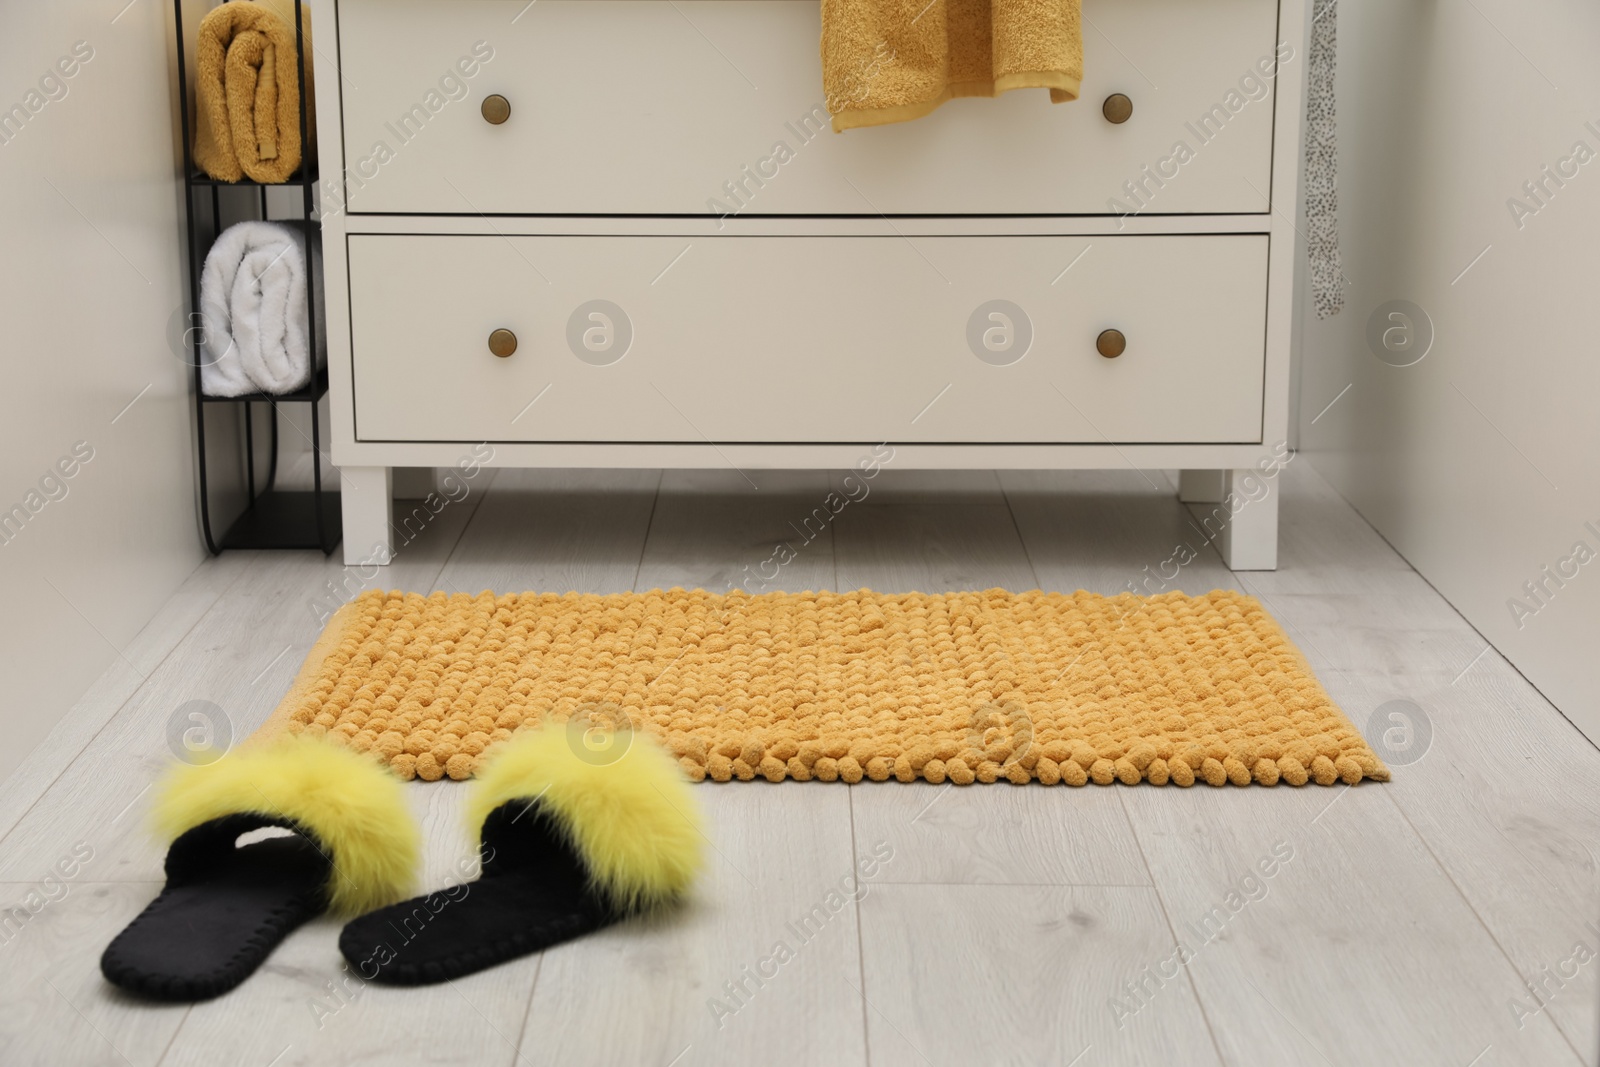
{"x":958,"y":686}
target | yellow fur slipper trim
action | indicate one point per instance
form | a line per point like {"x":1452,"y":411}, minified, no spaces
{"x":355,"y":808}
{"x":626,"y":810}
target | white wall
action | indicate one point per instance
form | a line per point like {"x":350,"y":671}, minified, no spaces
{"x":1481,"y":463}
{"x":90,"y":277}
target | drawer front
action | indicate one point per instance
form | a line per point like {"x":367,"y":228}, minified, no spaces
{"x":700,"y":107}
{"x":808,"y":339}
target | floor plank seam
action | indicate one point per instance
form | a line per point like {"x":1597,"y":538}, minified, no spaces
{"x":1467,"y":902}
{"x":144,"y":680}
{"x":861,"y":950}
{"x":1208,"y":541}
{"x":527,"y":1009}
{"x":1016,"y":528}
{"x":649,"y":523}
{"x":1166,"y":916}
{"x":833,"y":552}
{"x":1300,"y":637}
{"x":173,"y":1040}
{"x":461,"y":535}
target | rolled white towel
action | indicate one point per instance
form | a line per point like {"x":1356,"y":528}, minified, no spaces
{"x":253,"y":312}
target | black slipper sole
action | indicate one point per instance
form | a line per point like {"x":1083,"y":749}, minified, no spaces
{"x":533,"y":894}
{"x":451,"y":934}
{"x":572,"y":838}
{"x":346,"y":843}
{"x":201,"y":938}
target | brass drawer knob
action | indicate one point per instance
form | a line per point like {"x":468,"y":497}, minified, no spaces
{"x":1117,"y":109}
{"x":496,"y":109}
{"x":502,"y":343}
{"x":1111,"y":343}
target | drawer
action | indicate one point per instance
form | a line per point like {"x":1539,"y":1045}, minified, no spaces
{"x":808,"y":339}
{"x":693,"y":107}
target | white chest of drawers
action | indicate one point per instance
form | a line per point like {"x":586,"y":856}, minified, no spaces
{"x":661,"y":256}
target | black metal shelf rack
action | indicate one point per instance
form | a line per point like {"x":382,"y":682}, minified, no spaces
{"x":273,"y":517}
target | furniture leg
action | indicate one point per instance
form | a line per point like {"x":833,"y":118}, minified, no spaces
{"x":1249,"y":540}
{"x":364,"y":493}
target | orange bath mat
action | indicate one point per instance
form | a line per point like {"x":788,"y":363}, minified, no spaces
{"x":952,"y":686}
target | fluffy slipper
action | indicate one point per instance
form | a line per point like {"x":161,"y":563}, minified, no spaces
{"x":352,"y":846}
{"x":570,"y":839}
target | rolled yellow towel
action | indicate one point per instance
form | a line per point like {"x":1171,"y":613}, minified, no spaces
{"x":895,"y":60}
{"x":247,"y":91}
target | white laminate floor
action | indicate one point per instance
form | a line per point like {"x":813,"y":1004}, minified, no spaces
{"x":1401,"y":924}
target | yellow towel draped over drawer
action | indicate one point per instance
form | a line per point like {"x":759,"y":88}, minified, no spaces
{"x":895,"y":60}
